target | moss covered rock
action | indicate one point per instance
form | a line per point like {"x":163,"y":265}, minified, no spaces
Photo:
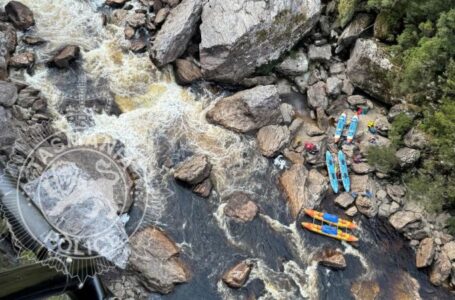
{"x":346,"y":10}
{"x":370,"y":68}
{"x":242,"y":35}
{"x":385,"y":25}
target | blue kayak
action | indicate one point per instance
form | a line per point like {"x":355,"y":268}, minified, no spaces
{"x":340,"y":127}
{"x":353,"y":128}
{"x":344,"y":171}
{"x":332,"y":171}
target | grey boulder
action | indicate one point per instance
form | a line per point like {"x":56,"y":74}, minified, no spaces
{"x":416,"y":139}
{"x":247,"y":110}
{"x":353,"y":31}
{"x":193,"y":170}
{"x":303,"y":188}
{"x":407,"y":157}
{"x":8,"y":94}
{"x":320,"y":53}
{"x":271,"y":139}
{"x":240,"y":207}
{"x":155,"y":258}
{"x":425,"y":253}
{"x":239,"y":36}
{"x":294,"y":65}
{"x":317,"y":95}
{"x":172,"y":39}
{"x":20,"y":15}
{"x":369,"y":68}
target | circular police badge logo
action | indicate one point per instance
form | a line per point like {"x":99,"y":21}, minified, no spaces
{"x":73,"y":201}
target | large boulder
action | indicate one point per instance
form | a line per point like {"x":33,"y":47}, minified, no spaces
{"x":65,"y":56}
{"x":441,"y":269}
{"x":240,"y":35}
{"x":387,"y":209}
{"x":20,"y":15}
{"x":8,"y":94}
{"x":369,"y":68}
{"x":172,"y":39}
{"x":334,"y":85}
{"x":247,"y":110}
{"x":425,"y":253}
{"x":320,"y":53}
{"x":303,"y":188}
{"x":271,"y":139}
{"x":240,"y":207}
{"x":396,"y":192}
{"x":22,"y":60}
{"x":155,"y":258}
{"x":294,"y":65}
{"x":187,"y":71}
{"x":193,"y":170}
{"x":204,"y":188}
{"x":407,"y":157}
{"x":361,"y":184}
{"x":402,"y":219}
{"x":367,"y":206}
{"x":408,"y":109}
{"x":449,"y":249}
{"x":362,"y":168}
{"x":332,"y":258}
{"x":353,"y":31}
{"x":416,"y":139}
{"x":344,"y":200}
{"x":237,"y":276}
{"x":317,"y":95}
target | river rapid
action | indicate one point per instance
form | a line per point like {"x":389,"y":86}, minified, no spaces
{"x":159,"y":121}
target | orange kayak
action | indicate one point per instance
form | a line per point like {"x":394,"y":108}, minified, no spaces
{"x":330,"y":219}
{"x":330,"y":231}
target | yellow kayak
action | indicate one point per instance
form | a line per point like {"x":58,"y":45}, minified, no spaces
{"x":330,"y":219}
{"x":330,"y":231}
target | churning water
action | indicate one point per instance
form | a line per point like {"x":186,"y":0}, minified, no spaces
{"x":161,"y":121}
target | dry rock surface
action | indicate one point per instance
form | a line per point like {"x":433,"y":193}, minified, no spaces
{"x":239,"y":36}
{"x":156,"y":258}
{"x":238,"y":274}
{"x":248,"y":110}
{"x":240,"y":207}
{"x":193,"y":170}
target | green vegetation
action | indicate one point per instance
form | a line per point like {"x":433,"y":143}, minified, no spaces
{"x":383,"y":158}
{"x":427,"y":186}
{"x":400,"y":126}
{"x":451,"y":225}
{"x":421,"y":34}
{"x":346,"y":10}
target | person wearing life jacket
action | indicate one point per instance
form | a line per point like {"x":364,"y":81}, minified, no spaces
{"x":372,"y":127}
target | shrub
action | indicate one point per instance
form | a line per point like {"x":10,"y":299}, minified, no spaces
{"x":451,"y":225}
{"x":382,"y":158}
{"x":427,"y":189}
{"x":440,"y":125}
{"x":400,"y":126}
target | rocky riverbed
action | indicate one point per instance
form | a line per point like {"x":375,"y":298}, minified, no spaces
{"x":213,"y":102}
